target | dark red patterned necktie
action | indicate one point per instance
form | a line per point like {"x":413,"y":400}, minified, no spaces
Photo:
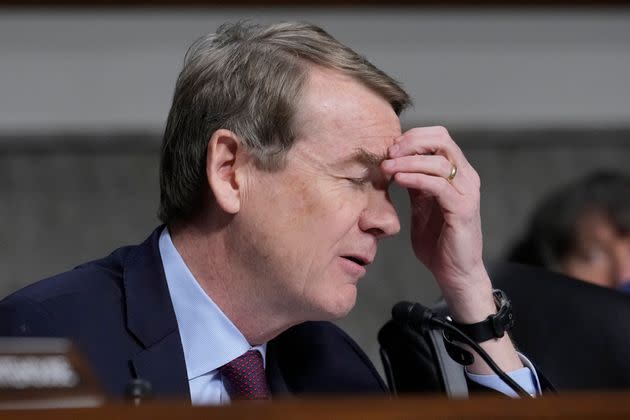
{"x":244,"y":377}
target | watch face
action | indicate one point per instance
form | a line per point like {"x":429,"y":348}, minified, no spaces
{"x":504,"y":316}
{"x":500,"y":298}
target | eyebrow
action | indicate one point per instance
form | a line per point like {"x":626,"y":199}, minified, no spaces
{"x":364,"y":157}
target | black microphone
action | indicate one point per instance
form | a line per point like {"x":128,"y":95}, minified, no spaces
{"x":416,"y":316}
{"x":422,"y":319}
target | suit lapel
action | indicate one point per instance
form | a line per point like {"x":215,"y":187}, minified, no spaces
{"x":163,"y":365}
{"x":277,"y":384}
{"x":151,"y":320}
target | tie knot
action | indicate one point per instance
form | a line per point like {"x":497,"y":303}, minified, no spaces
{"x":244,"y":377}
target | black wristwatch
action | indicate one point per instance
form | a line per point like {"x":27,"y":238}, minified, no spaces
{"x":495,"y":325}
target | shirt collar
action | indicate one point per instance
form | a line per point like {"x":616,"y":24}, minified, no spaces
{"x":209,"y":338}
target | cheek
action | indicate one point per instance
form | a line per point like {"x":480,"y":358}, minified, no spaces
{"x":323,"y":210}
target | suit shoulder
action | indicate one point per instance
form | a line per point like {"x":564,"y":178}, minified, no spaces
{"x":324,"y":359}
{"x":44,"y":306}
{"x":312,"y":332}
{"x":98,"y":276}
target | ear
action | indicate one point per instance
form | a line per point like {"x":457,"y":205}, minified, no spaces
{"x":225,"y":155}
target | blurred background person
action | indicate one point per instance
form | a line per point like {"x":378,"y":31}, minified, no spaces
{"x":582,"y":230}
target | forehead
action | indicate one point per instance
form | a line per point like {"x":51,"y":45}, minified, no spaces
{"x":338,"y":116}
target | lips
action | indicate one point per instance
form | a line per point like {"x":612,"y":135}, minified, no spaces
{"x":356,"y":260}
{"x":359,"y":259}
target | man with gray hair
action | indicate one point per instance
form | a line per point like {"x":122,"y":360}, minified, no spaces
{"x":279,"y":149}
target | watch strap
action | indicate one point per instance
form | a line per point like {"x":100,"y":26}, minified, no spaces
{"x":495,"y":325}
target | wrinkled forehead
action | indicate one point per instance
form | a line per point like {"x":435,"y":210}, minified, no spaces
{"x":347,"y":146}
{"x":337,"y":116}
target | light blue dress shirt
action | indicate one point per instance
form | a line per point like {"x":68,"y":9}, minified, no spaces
{"x":210,"y":339}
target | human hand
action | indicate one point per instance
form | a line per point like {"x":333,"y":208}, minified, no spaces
{"x":446,"y":228}
{"x":446,"y":225}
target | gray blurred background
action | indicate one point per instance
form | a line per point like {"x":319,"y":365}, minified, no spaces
{"x":535,"y":97}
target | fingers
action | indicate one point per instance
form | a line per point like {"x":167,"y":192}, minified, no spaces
{"x":427,"y":140}
{"x":431,"y":151}
{"x":423,"y":159}
{"x":434,"y":165}
{"x":432,"y":186}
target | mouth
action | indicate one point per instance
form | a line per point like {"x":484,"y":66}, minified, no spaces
{"x":357,"y":260}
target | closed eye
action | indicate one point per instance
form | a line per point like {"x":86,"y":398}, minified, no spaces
{"x":359,"y":181}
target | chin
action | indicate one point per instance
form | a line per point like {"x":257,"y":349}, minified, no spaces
{"x":341,"y":304}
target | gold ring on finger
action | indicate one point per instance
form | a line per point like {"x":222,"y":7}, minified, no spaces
{"x":452,"y":174}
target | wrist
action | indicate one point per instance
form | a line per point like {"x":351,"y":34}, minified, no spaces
{"x":474,"y":302}
{"x":494,"y":326}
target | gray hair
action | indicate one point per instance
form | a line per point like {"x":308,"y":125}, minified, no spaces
{"x":248,"y":78}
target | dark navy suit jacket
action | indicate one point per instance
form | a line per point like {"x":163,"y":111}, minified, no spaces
{"x":119,"y":313}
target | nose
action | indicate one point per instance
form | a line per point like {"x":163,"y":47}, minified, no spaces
{"x":379,"y":217}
